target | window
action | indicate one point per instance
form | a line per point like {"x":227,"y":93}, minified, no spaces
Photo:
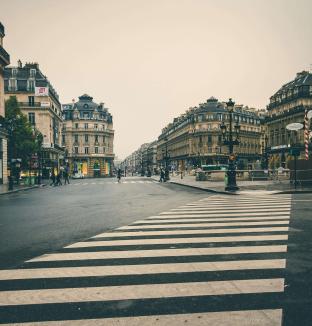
{"x":76,"y":125}
{"x":14,"y":72}
{"x":104,"y":150}
{"x":104,"y":139}
{"x":96,"y":138}
{"x":209,"y":139}
{"x":31,"y":100}
{"x":76,"y":150}
{"x":33,"y":73}
{"x":86,"y":126}
{"x":76,"y":138}
{"x":200,"y":118}
{"x":86,"y":150}
{"x":96,"y":150}
{"x":31,"y":118}
{"x":12,"y":84}
{"x":86,"y":115}
{"x":95,"y":126}
{"x":86,"y":138}
{"x":31,"y":85}
{"x":63,"y":139}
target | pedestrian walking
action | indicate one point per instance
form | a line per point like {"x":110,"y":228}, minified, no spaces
{"x":162,"y":175}
{"x":52,"y":176}
{"x":66,"y":175}
{"x":59,"y":179}
{"x":119,"y":175}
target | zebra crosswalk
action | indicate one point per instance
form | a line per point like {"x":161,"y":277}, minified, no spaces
{"x":216,"y":261}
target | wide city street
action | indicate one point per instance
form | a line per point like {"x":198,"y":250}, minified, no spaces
{"x":144,"y":253}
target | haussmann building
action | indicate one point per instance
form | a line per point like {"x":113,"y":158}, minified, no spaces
{"x":288,"y":105}
{"x":88,"y":137}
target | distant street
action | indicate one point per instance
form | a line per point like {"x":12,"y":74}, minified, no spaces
{"x":177,"y":256}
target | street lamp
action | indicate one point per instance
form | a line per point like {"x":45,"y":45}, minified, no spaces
{"x":167,"y":177}
{"x":228,"y":139}
{"x":265,"y":154}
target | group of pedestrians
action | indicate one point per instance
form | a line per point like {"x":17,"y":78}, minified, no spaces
{"x":56,"y":179}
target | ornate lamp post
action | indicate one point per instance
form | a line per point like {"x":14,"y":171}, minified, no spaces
{"x":228,"y":139}
{"x":167,"y":177}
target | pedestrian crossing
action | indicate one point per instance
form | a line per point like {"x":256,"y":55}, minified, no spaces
{"x":217,"y":261}
{"x":122,"y":182}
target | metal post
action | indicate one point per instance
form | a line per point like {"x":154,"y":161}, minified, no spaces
{"x":231,"y":173}
{"x":295,"y":171}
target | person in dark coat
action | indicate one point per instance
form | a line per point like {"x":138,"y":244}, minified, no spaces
{"x":59,"y":179}
{"x":52,"y":178}
{"x":66,"y":175}
{"x":162,"y":175}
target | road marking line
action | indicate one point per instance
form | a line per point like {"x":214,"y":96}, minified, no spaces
{"x":185,"y":232}
{"x":200,"y":225}
{"x":132,"y":292}
{"x":241,"y":209}
{"x":211,"y":213}
{"x":89,"y":271}
{"x":267,"y":317}
{"x":160,"y":252}
{"x":108,"y":243}
{"x":178,"y":218}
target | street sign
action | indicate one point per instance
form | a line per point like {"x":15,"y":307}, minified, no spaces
{"x":294,"y":126}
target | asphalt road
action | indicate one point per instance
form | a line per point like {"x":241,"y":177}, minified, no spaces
{"x":44,"y":220}
{"x":164,"y":263}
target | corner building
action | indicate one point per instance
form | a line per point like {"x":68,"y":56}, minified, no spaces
{"x":288,"y":105}
{"x":194,"y":138}
{"x":88,"y":137}
{"x":39,"y":101}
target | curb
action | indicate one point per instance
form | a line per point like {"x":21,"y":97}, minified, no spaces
{"x":231,"y":194}
{"x":294,"y":192}
{"x":22,"y":189}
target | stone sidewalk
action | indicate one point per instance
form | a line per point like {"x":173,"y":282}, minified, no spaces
{"x":267,"y":186}
{"x":4,"y":189}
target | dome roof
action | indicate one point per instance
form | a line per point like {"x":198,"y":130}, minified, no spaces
{"x":211,"y":105}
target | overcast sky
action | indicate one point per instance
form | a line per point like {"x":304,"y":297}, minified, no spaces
{"x":149,"y":61}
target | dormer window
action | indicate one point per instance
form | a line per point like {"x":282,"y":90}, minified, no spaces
{"x":12,"y":84}
{"x":33,"y":73}
{"x":14,"y":72}
{"x":31,"y":85}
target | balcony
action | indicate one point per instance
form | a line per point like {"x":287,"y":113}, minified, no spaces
{"x":36,"y":105}
{"x":4,"y":57}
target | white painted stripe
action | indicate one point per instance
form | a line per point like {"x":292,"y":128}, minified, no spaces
{"x":210,"y":213}
{"x":200,"y":225}
{"x":185,"y":232}
{"x":89,"y":244}
{"x":203,"y":218}
{"x":233,"y":207}
{"x":132,"y":292}
{"x":194,"y":220}
{"x":160,"y":253}
{"x":234,"y":318}
{"x":242,"y":209}
{"x":13,"y":274}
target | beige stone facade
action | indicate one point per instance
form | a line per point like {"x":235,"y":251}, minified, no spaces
{"x":195,"y":139}
{"x":40,"y":103}
{"x":4,"y":61}
{"x":88,"y":137}
{"x":288,"y":105}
